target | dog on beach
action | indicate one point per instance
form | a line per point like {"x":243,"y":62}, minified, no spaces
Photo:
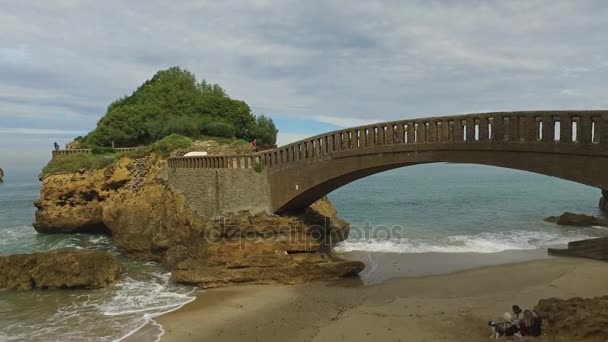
{"x":501,"y":329}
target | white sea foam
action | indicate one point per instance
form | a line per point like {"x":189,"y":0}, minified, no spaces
{"x":479,"y":243}
{"x":110,"y":314}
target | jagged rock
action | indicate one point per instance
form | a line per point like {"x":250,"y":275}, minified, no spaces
{"x":59,"y":270}
{"x":575,"y":319}
{"x":73,"y":203}
{"x":604,"y":201}
{"x":147,"y":219}
{"x":578,"y":220}
{"x":596,"y":249}
{"x":285,"y":268}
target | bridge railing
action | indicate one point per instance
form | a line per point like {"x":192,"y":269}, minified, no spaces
{"x":87,"y":151}
{"x":542,"y":127}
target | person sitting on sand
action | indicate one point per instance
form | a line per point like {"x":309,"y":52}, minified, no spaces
{"x":517,"y":313}
{"x":530,"y":324}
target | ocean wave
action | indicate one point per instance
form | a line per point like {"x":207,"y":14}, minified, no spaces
{"x":113,"y":314}
{"x":478,"y":243}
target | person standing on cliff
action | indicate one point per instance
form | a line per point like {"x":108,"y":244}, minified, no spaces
{"x":56,"y":146}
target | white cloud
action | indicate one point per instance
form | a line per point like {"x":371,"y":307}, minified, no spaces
{"x":285,"y":138}
{"x":38,"y":131}
{"x":345,"y":121}
{"x":62,"y":62}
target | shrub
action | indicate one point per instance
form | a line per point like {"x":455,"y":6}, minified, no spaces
{"x":78,"y":161}
{"x":103,"y":150}
{"x":164,"y":146}
{"x":219,"y":129}
{"x":258,"y":167}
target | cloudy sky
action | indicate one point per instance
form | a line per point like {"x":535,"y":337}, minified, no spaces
{"x":312,"y":65}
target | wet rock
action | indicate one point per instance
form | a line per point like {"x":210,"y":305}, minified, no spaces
{"x":575,"y":319}
{"x":604,"y":201}
{"x":285,"y":269}
{"x":77,"y":269}
{"x":133,"y":202}
{"x":578,"y":220}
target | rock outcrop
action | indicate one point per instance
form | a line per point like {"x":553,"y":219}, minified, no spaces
{"x":59,"y":270}
{"x":575,"y":319}
{"x":596,"y":249}
{"x":604,"y":201}
{"x":1,"y":175}
{"x":578,"y":220}
{"x":148,"y":219}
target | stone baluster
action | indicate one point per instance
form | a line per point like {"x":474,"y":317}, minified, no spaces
{"x":584,"y":128}
{"x":603,"y":130}
{"x":389,"y":134}
{"x":548,"y":128}
{"x":457,"y":130}
{"x":431,"y":131}
{"x":411,"y":133}
{"x":400,"y":133}
{"x":421,"y":132}
{"x":498,"y":128}
{"x":470,"y":125}
{"x":483,"y":129}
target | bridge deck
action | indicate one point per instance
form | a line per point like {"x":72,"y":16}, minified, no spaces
{"x":558,"y":131}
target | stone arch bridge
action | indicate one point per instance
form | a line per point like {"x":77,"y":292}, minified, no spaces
{"x":571,"y":145}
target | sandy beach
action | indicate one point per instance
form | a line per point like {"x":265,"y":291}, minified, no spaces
{"x":447,"y":307}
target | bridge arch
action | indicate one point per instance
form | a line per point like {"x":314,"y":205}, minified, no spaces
{"x":300,"y":188}
{"x":572,"y":145}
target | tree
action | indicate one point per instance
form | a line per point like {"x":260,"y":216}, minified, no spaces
{"x":264,"y":130}
{"x":173,"y":101}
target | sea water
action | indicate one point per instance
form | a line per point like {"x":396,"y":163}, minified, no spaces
{"x":109,"y":314}
{"x":428,"y":208}
{"x":456,"y":208}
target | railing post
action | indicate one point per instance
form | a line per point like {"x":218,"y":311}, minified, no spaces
{"x":483,"y":129}
{"x":380,"y":136}
{"x":439,"y":137}
{"x":529,"y":128}
{"x":584,"y":124}
{"x":445,"y":131}
{"x":498,"y":128}
{"x":513,"y":128}
{"x":400,"y":133}
{"x":470,"y":124}
{"x":457,"y":131}
{"x":421,"y":132}
{"x":565,"y":128}
{"x":603,"y":127}
{"x":411,"y":133}
{"x":431,"y":132}
{"x":548,"y":128}
{"x":389,"y":134}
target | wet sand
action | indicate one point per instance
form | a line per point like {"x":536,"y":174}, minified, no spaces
{"x":447,"y":307}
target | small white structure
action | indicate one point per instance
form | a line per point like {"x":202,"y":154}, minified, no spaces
{"x":195,"y":154}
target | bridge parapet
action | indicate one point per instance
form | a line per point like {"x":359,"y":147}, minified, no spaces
{"x":572,"y":129}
